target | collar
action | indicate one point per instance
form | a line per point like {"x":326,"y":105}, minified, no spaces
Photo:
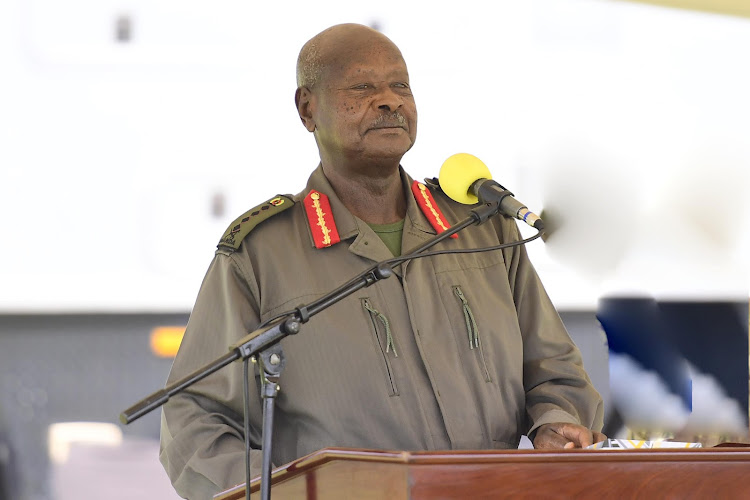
{"x":348,"y":226}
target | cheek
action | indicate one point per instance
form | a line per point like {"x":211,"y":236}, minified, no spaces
{"x":350,"y":107}
{"x":355,"y":107}
{"x":412,"y":106}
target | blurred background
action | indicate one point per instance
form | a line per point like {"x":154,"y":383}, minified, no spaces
{"x":133,"y":132}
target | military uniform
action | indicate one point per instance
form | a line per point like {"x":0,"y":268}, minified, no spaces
{"x":452,"y":352}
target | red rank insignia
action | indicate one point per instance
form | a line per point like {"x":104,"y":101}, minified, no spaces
{"x":429,"y":208}
{"x":319,"y":215}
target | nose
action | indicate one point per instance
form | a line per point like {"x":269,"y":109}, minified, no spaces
{"x":388,"y":100}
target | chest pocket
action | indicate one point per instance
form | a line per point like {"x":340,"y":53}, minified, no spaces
{"x":385,"y":345}
{"x":472,"y":331}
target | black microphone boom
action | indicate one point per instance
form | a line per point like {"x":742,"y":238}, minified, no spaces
{"x":489,"y":191}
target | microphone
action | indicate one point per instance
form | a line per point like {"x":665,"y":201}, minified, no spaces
{"x":466,"y":179}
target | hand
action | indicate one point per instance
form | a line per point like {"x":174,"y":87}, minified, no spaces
{"x":563,"y":435}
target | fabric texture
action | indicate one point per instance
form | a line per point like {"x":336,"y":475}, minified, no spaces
{"x":391,"y":235}
{"x":407,"y":364}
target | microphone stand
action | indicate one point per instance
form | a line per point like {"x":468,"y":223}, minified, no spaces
{"x":262,"y":345}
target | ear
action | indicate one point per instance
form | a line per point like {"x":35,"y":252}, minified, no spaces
{"x":303,"y":99}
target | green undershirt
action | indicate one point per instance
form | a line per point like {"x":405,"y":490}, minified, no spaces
{"x":391,"y":235}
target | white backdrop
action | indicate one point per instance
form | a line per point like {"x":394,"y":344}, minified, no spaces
{"x":627,"y":123}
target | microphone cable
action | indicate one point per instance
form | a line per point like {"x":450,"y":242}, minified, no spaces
{"x":395,"y":261}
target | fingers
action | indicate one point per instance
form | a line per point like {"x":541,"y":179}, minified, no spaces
{"x":566,"y":436}
{"x":579,"y":435}
{"x":547,"y":437}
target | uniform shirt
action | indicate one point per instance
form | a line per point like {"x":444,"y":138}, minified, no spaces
{"x":461,"y":351}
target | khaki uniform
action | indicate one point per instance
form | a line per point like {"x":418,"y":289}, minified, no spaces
{"x":344,"y":384}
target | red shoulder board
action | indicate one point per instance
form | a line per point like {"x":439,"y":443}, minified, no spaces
{"x":319,"y":214}
{"x":429,"y":208}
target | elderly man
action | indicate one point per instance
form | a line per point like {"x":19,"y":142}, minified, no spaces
{"x":454,"y":352}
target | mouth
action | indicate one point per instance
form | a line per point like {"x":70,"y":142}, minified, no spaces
{"x":386,"y":126}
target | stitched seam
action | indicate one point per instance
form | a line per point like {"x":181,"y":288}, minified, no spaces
{"x":252,"y":285}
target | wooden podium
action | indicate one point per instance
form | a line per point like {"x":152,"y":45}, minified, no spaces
{"x":337,"y":473}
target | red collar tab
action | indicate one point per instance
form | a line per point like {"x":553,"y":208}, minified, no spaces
{"x":319,"y":215}
{"x":429,"y":208}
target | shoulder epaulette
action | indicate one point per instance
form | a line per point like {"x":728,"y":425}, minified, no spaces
{"x":430,"y":208}
{"x":246,"y":222}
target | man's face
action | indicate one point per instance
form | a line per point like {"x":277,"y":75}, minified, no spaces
{"x":364,"y":108}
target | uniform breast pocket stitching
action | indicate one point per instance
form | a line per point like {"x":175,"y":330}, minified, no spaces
{"x":375,"y":318}
{"x":472,"y":329}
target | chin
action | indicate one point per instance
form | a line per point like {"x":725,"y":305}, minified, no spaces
{"x":395,"y":149}
{"x":386,"y":156}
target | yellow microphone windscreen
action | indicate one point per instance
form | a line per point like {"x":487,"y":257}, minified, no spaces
{"x":457,"y":175}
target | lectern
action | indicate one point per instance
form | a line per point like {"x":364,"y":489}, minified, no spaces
{"x":338,"y":473}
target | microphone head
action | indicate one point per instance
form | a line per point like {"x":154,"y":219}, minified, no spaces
{"x":457,"y":175}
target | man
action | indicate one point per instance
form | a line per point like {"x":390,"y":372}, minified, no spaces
{"x":453,"y":352}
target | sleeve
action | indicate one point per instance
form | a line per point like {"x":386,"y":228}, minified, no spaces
{"x":556,"y":384}
{"x":202,"y":437}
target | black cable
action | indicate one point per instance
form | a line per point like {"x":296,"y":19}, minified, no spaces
{"x":398,"y":260}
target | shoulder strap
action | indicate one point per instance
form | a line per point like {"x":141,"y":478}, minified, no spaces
{"x":241,"y":227}
{"x":430,"y":208}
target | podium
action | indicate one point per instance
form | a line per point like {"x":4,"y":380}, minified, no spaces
{"x":339,"y":473}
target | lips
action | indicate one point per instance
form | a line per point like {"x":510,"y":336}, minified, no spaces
{"x":387,"y":125}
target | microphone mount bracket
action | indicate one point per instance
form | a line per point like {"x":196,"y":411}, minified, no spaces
{"x":488,"y":191}
{"x":485,"y":211}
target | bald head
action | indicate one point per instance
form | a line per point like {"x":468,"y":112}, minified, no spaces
{"x":334,"y":47}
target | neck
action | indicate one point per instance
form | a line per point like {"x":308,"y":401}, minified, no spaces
{"x":376,"y":200}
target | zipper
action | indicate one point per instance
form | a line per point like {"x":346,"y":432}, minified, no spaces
{"x":376,"y":317}
{"x":472,"y":329}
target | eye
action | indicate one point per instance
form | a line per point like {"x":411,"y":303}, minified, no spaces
{"x":401,"y":85}
{"x":361,"y":86}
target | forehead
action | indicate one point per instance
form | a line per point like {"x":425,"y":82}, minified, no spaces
{"x":376,"y":58}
